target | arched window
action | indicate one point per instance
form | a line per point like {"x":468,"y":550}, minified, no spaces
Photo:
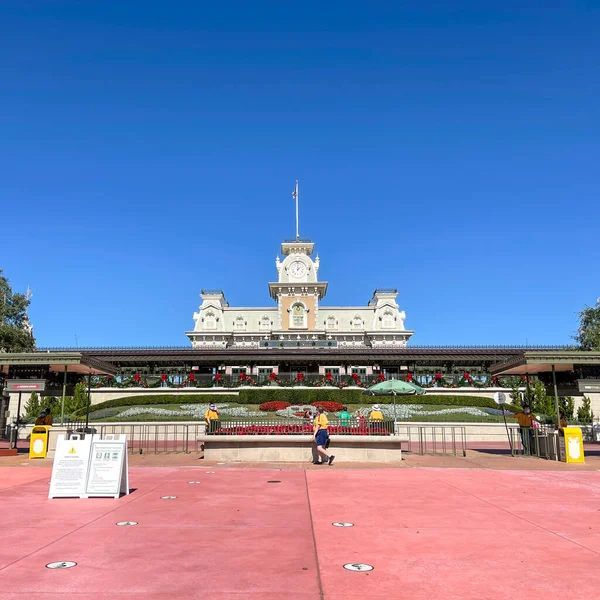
{"x":298,"y":316}
{"x":210,"y":322}
{"x":265,"y":323}
{"x":356,"y":323}
{"x":240,"y":324}
{"x":331,"y":323}
{"x":388,"y":320}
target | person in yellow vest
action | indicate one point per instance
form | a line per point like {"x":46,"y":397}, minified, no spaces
{"x":526,"y":419}
{"x":212,"y":418}
{"x":320,"y":435}
{"x":376,"y":417}
{"x":45,"y":418}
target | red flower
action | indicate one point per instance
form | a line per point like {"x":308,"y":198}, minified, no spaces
{"x":217,"y":377}
{"x":328,"y":405}
{"x":242,"y":376}
{"x":381,"y":377}
{"x":192,"y":377}
{"x":438,"y":376}
{"x":272,"y":376}
{"x":163,"y":377}
{"x":273,"y":406}
{"x":300,"y":377}
{"x":409,"y":376}
{"x":136,"y":377}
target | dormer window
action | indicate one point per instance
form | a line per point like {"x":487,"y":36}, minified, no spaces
{"x":298,"y":316}
{"x":331,"y":323}
{"x":265,"y":324}
{"x":210,"y":321}
{"x":356,"y":323}
{"x":240,"y":324}
{"x":388,"y":320}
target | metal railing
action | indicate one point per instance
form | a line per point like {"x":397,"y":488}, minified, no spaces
{"x":435,"y":439}
{"x":300,"y":427}
{"x":157,"y":438}
{"x":541,"y":442}
{"x":183,"y":437}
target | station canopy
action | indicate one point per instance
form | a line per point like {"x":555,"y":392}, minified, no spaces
{"x":57,"y":362}
{"x":533,"y":363}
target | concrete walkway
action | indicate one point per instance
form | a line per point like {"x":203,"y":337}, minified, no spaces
{"x":267,"y":533}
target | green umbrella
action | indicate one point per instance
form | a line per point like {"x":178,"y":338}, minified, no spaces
{"x":394,"y":387}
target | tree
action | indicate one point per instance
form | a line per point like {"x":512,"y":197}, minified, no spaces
{"x":567,"y":407}
{"x":588,"y":334}
{"x":15,"y":332}
{"x":32,"y":408}
{"x":584,"y":412}
{"x":539,"y":401}
{"x":79,"y":400}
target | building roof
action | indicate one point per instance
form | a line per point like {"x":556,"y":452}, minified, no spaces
{"x":74,"y":361}
{"x":532,"y":363}
{"x":424,"y":355}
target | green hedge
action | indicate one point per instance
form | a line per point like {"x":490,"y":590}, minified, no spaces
{"x":296,"y":396}
{"x":161,"y":399}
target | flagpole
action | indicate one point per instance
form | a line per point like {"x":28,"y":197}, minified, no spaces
{"x":297,"y":234}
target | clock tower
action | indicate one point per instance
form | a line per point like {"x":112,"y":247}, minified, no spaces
{"x":297,"y":290}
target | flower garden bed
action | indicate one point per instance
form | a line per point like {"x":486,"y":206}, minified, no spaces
{"x":300,"y":429}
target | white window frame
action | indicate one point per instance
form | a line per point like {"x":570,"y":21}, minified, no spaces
{"x":210,"y":321}
{"x":387,"y":320}
{"x":293,"y":325}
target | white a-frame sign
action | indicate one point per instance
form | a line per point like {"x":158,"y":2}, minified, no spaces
{"x":90,"y":467}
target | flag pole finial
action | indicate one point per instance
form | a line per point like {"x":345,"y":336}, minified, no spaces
{"x":295,"y":195}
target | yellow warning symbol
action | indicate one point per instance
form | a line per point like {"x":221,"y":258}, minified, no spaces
{"x":72,"y":450}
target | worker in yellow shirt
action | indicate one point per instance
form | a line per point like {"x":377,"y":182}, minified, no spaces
{"x":376,"y":417}
{"x":212,"y":418}
{"x":320,"y":435}
{"x":525,"y":420}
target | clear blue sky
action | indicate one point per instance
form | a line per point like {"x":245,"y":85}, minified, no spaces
{"x":149,"y":149}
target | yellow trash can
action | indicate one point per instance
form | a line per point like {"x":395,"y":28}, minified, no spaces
{"x":38,"y":442}
{"x":574,"y":445}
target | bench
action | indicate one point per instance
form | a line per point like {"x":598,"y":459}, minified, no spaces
{"x":300,"y":448}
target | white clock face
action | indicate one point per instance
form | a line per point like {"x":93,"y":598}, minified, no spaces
{"x":297,"y":269}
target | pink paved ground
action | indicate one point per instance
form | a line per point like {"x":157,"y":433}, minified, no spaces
{"x":430,"y":533}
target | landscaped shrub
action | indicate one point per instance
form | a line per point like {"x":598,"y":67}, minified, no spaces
{"x":296,"y":397}
{"x":328,"y":406}
{"x":300,"y":396}
{"x":104,"y":413}
{"x":274,"y":406}
{"x":163,"y":399}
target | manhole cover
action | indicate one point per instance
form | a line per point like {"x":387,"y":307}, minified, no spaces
{"x":67,"y":564}
{"x":358,"y":567}
{"x":168,"y":497}
{"x":274,"y":481}
{"x":343,"y":524}
{"x":126,"y":523}
{"x":193,"y":482}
